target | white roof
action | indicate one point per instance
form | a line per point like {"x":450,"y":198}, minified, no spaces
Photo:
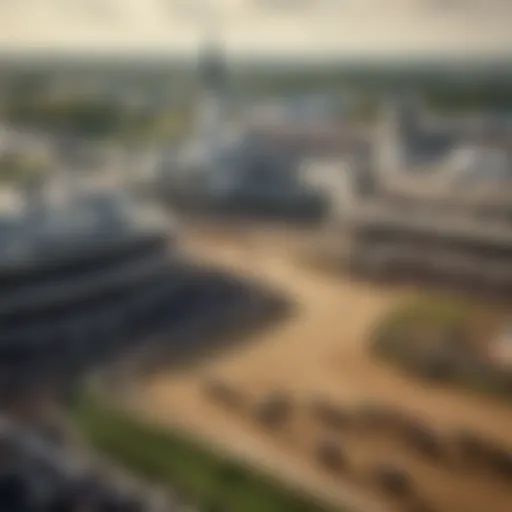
{"x":481,"y":164}
{"x":88,"y":223}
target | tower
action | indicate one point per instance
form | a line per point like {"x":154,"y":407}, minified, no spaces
{"x":211,"y":105}
{"x":212,"y":75}
{"x":398,"y":127}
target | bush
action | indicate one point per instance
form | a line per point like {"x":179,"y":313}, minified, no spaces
{"x":274,"y":410}
{"x":330,"y":415}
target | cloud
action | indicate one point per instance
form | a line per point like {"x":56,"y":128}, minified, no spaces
{"x":366,"y":27}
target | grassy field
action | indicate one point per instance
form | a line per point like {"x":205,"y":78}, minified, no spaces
{"x":207,"y":479}
{"x":430,"y":314}
{"x":444,"y":340}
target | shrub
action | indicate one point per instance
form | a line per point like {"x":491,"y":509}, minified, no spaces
{"x":331,"y":415}
{"x":274,"y":410}
{"x":331,"y":455}
{"x":392,"y":479}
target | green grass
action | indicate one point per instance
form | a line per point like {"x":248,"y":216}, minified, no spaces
{"x":406,"y":331}
{"x":195,"y":471}
{"x":419,"y":337}
{"x":432,"y":314}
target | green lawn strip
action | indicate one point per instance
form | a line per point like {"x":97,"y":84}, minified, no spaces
{"x":193,"y":470}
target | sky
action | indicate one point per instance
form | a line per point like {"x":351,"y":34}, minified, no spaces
{"x":350,"y":28}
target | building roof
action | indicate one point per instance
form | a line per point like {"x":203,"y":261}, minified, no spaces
{"x":52,"y":232}
{"x":315,"y":138}
{"x":428,"y":147}
{"x":431,"y":222}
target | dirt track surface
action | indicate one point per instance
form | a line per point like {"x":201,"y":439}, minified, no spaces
{"x":320,"y":350}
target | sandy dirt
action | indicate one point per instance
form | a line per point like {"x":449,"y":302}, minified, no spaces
{"x":321,"y":350}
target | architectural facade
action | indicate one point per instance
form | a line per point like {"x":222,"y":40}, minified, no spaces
{"x":235,"y":168}
{"x":70,"y":271}
{"x":434,"y":213}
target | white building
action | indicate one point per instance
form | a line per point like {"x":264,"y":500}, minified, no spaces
{"x":417,"y":163}
{"x":335,"y":178}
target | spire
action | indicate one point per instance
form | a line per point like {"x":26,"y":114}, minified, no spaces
{"x":212,"y":75}
{"x":212,"y":68}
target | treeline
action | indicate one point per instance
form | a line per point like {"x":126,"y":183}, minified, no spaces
{"x":455,"y":88}
{"x":21,"y":168}
{"x":471,"y":97}
{"x":25,"y":99}
{"x":95,"y":118}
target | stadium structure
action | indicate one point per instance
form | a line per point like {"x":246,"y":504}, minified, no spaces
{"x":91,"y":273}
{"x":440,"y":205}
{"x":229,"y":166}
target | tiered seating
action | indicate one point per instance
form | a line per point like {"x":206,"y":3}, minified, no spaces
{"x":38,"y":474}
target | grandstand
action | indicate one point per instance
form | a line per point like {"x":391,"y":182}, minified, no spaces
{"x":88,"y":278}
{"x":39,"y":474}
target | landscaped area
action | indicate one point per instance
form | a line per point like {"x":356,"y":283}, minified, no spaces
{"x":445,"y":341}
{"x":209,"y":480}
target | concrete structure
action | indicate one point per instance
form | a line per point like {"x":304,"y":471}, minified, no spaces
{"x":419,"y":160}
{"x":438,"y":209}
{"x":333,"y":176}
{"x":89,"y":274}
{"x":84,"y":275}
{"x":69,"y":269}
{"x":228,"y":166}
{"x":39,"y":471}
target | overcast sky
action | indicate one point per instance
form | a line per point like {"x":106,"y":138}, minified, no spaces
{"x":300,"y":27}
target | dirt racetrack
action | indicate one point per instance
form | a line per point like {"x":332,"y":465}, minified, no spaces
{"x":321,"y":351}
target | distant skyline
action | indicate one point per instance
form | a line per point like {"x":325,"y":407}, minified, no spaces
{"x":341,"y":28}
